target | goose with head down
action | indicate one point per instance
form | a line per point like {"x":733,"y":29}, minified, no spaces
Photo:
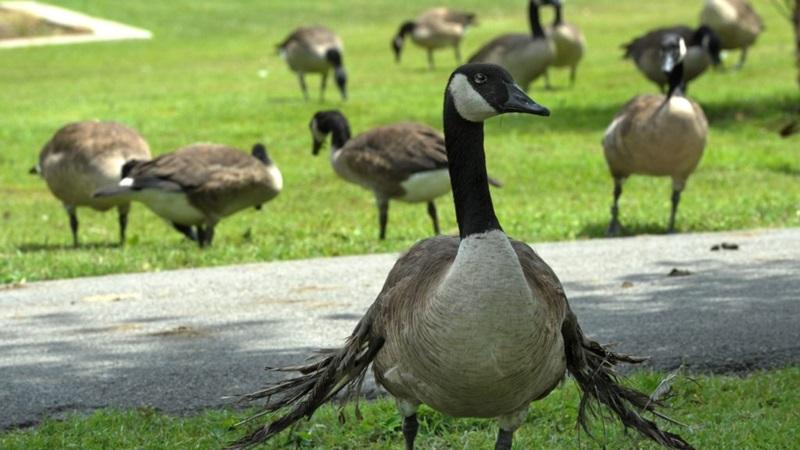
{"x":473,"y":326}
{"x":435,"y":28}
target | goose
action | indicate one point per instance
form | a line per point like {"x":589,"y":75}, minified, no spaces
{"x":569,"y":42}
{"x":404,"y":161}
{"x":736,"y":23}
{"x":525,"y":56}
{"x":703,"y":49}
{"x":433,"y":29}
{"x":473,"y":326}
{"x":315,"y":49}
{"x":82,"y":157}
{"x":199,"y":185}
{"x":657,"y":134}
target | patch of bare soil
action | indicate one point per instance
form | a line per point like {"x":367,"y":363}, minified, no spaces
{"x":16,"y":24}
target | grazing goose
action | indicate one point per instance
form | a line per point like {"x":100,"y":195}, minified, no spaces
{"x":703,"y":49}
{"x":404,"y":161}
{"x":656,"y":134}
{"x":472,"y":326}
{"x":433,"y":29}
{"x":85,"y":156}
{"x":315,"y":49}
{"x":525,"y":56}
{"x":200,"y":184}
{"x":569,"y":42}
{"x":736,"y":23}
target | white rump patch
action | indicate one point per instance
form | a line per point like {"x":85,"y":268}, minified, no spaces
{"x":126,"y":182}
{"x":725,"y":10}
{"x":469,"y":103}
{"x":277,"y":178}
{"x":425,"y":186}
{"x":681,"y":105}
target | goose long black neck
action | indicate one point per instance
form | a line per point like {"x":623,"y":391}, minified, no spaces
{"x":467,"y":166}
{"x":533,"y":17}
{"x":339,"y":128}
{"x":676,"y":84}
{"x":559,"y":19}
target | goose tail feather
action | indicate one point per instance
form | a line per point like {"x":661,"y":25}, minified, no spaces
{"x":592,"y":367}
{"x":317,"y":382}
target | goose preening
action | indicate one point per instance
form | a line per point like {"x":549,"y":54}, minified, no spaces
{"x":570,"y":44}
{"x":433,"y":29}
{"x":472,"y":326}
{"x":315,"y":49}
{"x":199,"y":185}
{"x":525,"y":56}
{"x":403,"y":161}
{"x":656,"y":134}
{"x":736,"y":23}
{"x":85,"y":156}
{"x":702,"y":50}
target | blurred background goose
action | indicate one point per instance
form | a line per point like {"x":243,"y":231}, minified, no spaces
{"x":315,"y":49}
{"x":85,"y":156}
{"x":403,"y":161}
{"x":433,"y":29}
{"x":475,"y":325}
{"x":703,"y":49}
{"x":656,"y":134}
{"x":199,"y":185}
{"x":570,"y":44}
{"x":525,"y":56}
{"x":736,"y":23}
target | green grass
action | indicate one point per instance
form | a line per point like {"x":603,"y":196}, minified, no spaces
{"x":198,"y":81}
{"x":755,"y":412}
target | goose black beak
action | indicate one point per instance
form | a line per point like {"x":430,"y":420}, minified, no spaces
{"x":317,"y":146}
{"x":519,"y":102}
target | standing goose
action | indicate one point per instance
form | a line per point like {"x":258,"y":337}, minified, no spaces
{"x":656,"y":134}
{"x":525,"y":56}
{"x":200,"y":184}
{"x":703,"y":49}
{"x":315,"y":49}
{"x":736,"y":23}
{"x":433,"y":29}
{"x":569,"y":42}
{"x":85,"y":156}
{"x":472,"y":326}
{"x":404,"y":161}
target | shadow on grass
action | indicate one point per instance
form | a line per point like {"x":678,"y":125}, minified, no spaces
{"x":598,"y":229}
{"x":36,"y":247}
{"x":786,"y":169}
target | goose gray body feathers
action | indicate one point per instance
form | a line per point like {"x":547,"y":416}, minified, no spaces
{"x":82,"y":157}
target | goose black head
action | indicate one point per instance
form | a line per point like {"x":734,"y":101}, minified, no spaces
{"x":259,"y":152}
{"x":481,"y":91}
{"x":673,"y":50}
{"x":710,"y":42}
{"x":399,"y":39}
{"x":334,"y":56}
{"x":324,"y":123}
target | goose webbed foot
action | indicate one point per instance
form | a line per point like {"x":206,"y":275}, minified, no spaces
{"x":504,"y":439}
{"x":614,"y":228}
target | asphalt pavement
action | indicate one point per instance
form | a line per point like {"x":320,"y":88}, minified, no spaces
{"x":181,"y":340}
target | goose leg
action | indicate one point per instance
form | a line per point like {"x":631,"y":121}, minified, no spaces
{"x":410,"y":423}
{"x":383,"y":216}
{"x":572,"y":71}
{"x":73,"y":223}
{"x":676,"y":198}
{"x":322,"y":87}
{"x":302,"y":79}
{"x":457,"y":48}
{"x":122,"y":214}
{"x":742,"y":59}
{"x":547,"y":80}
{"x":430,"y":59}
{"x":209,"y":235}
{"x":185,"y":230}
{"x":434,"y":217}
{"x":614,"y":227}
{"x":504,"y":439}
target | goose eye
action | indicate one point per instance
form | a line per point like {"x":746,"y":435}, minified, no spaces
{"x":480,"y":78}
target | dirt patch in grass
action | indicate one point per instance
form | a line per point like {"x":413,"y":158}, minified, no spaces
{"x":16,"y":24}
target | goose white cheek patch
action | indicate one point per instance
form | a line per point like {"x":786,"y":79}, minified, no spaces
{"x":468,"y":102}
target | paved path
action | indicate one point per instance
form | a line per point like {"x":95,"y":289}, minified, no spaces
{"x":179,"y":340}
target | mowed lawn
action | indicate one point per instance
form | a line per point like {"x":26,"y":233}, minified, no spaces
{"x":758,"y":411}
{"x":212,"y":74}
